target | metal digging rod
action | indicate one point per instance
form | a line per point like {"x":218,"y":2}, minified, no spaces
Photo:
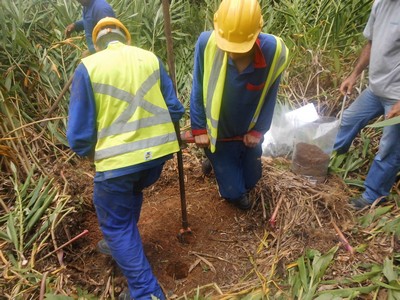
{"x":170,"y":55}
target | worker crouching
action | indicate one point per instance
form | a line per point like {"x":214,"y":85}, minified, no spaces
{"x":122,"y":108}
{"x":237,"y":71}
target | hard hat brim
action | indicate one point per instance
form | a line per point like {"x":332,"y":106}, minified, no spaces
{"x":232,"y":47}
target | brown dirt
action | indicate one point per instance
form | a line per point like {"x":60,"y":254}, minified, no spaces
{"x":310,"y":160}
{"x":227,"y":248}
{"x":215,"y":251}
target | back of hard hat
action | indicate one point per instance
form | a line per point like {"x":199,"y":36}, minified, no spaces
{"x":107,"y":22}
{"x":237,"y":24}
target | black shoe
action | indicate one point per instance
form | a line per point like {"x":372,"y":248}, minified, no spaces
{"x":359,"y":203}
{"x":125,"y":295}
{"x":243,"y":203}
{"x":206,"y":167}
{"x":103,"y":248}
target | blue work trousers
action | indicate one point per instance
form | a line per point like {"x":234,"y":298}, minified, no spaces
{"x":118,"y":202}
{"x":386,"y":163}
{"x":237,"y":168}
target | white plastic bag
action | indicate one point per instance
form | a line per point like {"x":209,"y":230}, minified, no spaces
{"x":278,"y":141}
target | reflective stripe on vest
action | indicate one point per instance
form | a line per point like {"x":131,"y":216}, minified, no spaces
{"x":134,"y":124}
{"x":278,"y":64}
{"x":215,"y":64}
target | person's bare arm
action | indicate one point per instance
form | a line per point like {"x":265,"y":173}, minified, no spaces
{"x":362,"y":62}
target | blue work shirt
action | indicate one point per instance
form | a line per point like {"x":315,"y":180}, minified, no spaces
{"x":242,"y":92}
{"x":82,"y":131}
{"x":91,"y":14}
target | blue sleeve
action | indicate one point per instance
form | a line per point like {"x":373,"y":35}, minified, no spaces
{"x":175,"y":107}
{"x":197,"y":111}
{"x":81,"y":129}
{"x":79,"y":25}
{"x":265,"y":118}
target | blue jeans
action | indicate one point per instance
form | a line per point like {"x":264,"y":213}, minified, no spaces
{"x":118,"y":202}
{"x":237,"y":168}
{"x":386,"y":164}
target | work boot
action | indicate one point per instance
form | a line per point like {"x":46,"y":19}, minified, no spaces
{"x":243,"y":203}
{"x":359,"y":203}
{"x":125,"y":295}
{"x":103,"y":248}
{"x":206,"y":167}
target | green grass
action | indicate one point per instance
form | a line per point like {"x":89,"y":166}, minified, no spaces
{"x":36,"y":61}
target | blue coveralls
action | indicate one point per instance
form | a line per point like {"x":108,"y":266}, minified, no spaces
{"x":97,"y":10}
{"x":237,"y":168}
{"x":118,"y":193}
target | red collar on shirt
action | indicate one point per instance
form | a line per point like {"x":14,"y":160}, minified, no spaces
{"x":259,"y":60}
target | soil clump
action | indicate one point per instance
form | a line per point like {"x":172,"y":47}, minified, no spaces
{"x":310,"y":160}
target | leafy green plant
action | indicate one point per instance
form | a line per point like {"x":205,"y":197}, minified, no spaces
{"x":377,"y":277}
{"x":308,"y":273}
{"x":388,"y":122}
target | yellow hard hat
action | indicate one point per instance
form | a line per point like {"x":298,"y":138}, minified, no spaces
{"x":106,"y":23}
{"x":237,"y":24}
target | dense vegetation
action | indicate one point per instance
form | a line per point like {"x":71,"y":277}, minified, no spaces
{"x":36,"y":61}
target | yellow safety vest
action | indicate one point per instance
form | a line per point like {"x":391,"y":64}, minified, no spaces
{"x":133,"y":122}
{"x":215,"y":65}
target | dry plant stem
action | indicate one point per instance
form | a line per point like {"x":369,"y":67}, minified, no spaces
{"x":343,"y":239}
{"x":198,"y":254}
{"x":83,"y":233}
{"x":264,"y":211}
{"x":5,"y":207}
{"x":33,"y":123}
{"x":210,"y":285}
{"x":272,"y":220}
{"x":23,"y":161}
{"x":43,"y":286}
{"x":55,"y":104}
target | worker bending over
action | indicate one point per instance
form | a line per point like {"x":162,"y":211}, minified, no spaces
{"x":122,"y":108}
{"x":92,"y":12}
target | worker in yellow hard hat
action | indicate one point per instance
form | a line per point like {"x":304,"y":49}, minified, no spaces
{"x":237,"y":71}
{"x":122,"y":108}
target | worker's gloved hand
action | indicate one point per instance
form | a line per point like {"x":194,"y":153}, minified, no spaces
{"x":69,"y":29}
{"x":202,"y":140}
{"x":250,"y":140}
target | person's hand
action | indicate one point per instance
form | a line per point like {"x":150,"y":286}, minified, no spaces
{"x":69,"y":29}
{"x":85,"y":53}
{"x":202,"y":140}
{"x":347,"y":85}
{"x":394,"y":111}
{"x":250,"y":140}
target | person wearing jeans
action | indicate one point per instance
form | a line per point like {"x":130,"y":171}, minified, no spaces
{"x":386,"y":164}
{"x":381,"y":54}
